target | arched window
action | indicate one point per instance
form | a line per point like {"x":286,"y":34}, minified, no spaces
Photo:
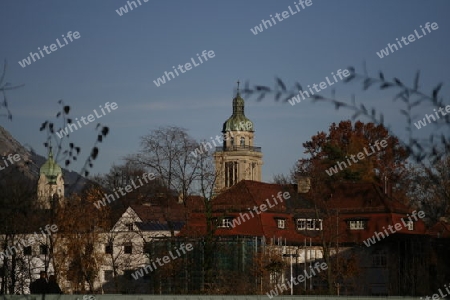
{"x":232,"y":141}
{"x":242,"y":141}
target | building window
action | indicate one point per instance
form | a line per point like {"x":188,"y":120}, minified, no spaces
{"x":309,"y":224}
{"x":109,"y":248}
{"x":43,"y":249}
{"x":232,"y":141}
{"x":109,"y":275}
{"x":242,"y":142}
{"x":409,"y":224}
{"x":128,"y":248}
{"x":379,"y":259}
{"x":357,"y":224}
{"x":129,"y":226}
{"x":226,"y":223}
{"x":27,"y":250}
{"x":281,"y":223}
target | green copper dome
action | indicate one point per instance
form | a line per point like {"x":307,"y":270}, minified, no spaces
{"x":50,"y":169}
{"x":238,"y":121}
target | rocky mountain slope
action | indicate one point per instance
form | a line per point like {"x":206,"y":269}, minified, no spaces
{"x":30,"y":162}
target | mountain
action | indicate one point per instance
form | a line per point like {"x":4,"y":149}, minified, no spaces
{"x":30,"y":162}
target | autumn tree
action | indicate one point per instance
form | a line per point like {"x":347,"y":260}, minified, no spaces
{"x":413,"y":100}
{"x":328,"y":150}
{"x":429,"y":188}
{"x":343,"y":143}
{"x":78,"y":257}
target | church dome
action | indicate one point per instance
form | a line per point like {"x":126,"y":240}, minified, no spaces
{"x":238,"y":121}
{"x":50,"y":169}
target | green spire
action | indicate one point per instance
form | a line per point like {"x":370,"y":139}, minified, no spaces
{"x":50,"y":168}
{"x":238,"y":121}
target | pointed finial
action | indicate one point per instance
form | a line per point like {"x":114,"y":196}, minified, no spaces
{"x":238,"y":87}
{"x":50,"y":152}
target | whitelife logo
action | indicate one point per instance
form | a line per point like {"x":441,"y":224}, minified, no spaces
{"x":284,"y":15}
{"x":124,"y":9}
{"x":11,"y":158}
{"x":49,"y":229}
{"x":166,"y":259}
{"x":90,"y":118}
{"x":129,"y":188}
{"x":436,"y":296}
{"x":27,"y":61}
{"x":423,"y":123}
{"x":397,"y":226}
{"x":411,"y":38}
{"x":334,"y":170}
{"x":263,"y":207}
{"x":187,"y":66}
{"x":323,"y":85}
{"x":243,"y":126}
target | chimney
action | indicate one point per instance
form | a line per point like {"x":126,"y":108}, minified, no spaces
{"x":180,"y":198}
{"x":303,"y":184}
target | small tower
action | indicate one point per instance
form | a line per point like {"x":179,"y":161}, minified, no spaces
{"x":50,"y":184}
{"x":237,"y":159}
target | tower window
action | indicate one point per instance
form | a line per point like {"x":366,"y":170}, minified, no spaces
{"x":231,"y":173}
{"x":232,"y":141}
{"x":242,"y":141}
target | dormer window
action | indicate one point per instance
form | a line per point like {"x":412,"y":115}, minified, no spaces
{"x":309,"y":224}
{"x":226,"y":222}
{"x":357,"y":224}
{"x":281,"y":223}
{"x":409,"y":224}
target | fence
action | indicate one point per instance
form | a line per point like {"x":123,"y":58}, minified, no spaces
{"x":186,"y":297}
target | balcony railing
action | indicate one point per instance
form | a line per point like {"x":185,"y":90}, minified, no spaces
{"x":238,"y":148}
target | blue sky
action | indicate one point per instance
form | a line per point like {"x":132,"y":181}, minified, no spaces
{"x":117,"y":58}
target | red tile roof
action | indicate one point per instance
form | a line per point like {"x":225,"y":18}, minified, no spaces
{"x":352,"y":201}
{"x":440,"y":230}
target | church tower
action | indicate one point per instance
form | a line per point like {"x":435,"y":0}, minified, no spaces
{"x":237,"y":159}
{"x":50,"y":184}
